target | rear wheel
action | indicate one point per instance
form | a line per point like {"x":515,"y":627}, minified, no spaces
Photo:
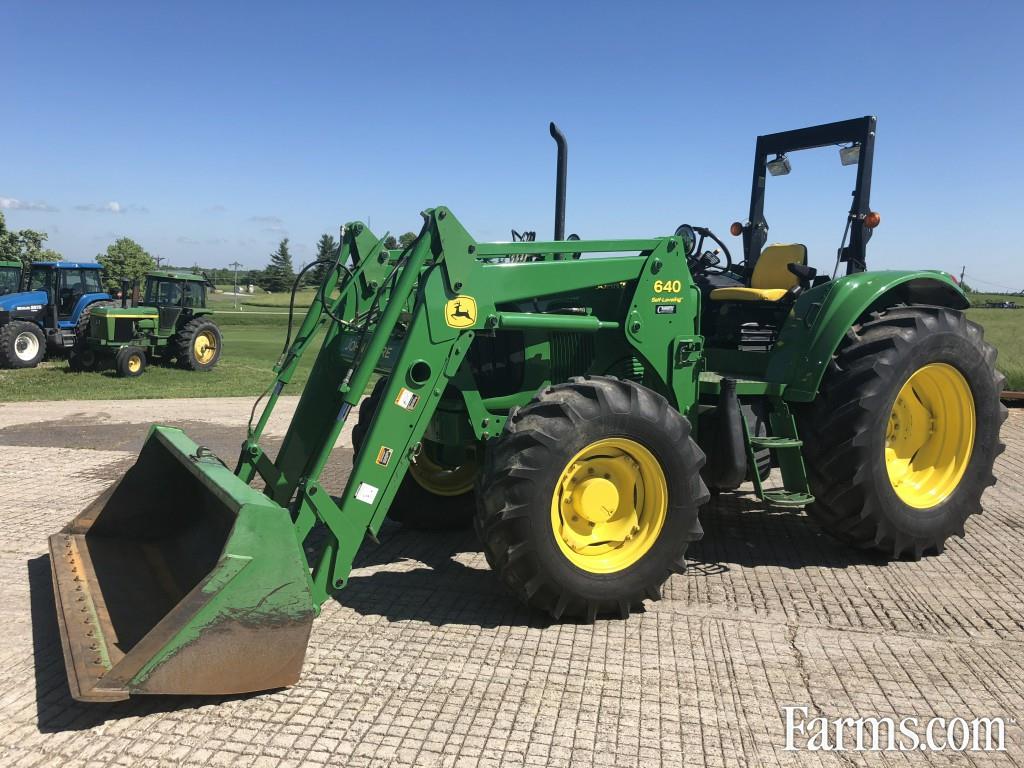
{"x":198,"y":344}
{"x":589,"y":498}
{"x":82,"y":328}
{"x":22,"y":345}
{"x":130,"y":362}
{"x":433,"y":494}
{"x":901,"y":441}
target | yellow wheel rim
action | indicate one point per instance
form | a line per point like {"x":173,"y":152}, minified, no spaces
{"x":930,"y":435}
{"x":609,"y":505}
{"x":440,"y":480}
{"x":204,"y":346}
{"x":134,"y":364}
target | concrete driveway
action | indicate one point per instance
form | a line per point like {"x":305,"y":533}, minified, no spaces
{"x":423,"y":661}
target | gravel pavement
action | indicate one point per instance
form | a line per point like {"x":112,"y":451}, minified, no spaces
{"x":423,"y":661}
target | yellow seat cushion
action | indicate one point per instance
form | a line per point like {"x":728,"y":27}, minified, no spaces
{"x":747,"y":294}
{"x":771,"y":279}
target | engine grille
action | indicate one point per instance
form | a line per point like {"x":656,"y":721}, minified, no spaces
{"x":124,"y":329}
{"x":571,"y":355}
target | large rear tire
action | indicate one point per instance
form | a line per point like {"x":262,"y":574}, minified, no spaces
{"x":198,"y":344}
{"x":22,"y":345}
{"x":900,"y":443}
{"x":589,"y":498}
{"x":432,"y":497}
{"x":82,"y":328}
{"x":82,"y":357}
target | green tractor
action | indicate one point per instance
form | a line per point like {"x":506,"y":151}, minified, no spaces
{"x":172,"y":323}
{"x":576,"y":399}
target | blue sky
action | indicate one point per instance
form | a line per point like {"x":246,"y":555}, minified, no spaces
{"x":208,"y":131}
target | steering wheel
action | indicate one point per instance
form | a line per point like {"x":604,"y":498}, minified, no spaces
{"x":699,"y":260}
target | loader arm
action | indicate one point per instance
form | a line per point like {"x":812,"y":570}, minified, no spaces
{"x":446,"y":289}
{"x":184,"y":578}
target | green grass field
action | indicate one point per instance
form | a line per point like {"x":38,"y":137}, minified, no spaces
{"x":273,"y":301}
{"x":252,"y":343}
{"x":253,"y":337}
{"x":1004,"y":329}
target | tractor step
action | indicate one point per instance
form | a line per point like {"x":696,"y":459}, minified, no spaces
{"x":776,"y":442}
{"x":787,"y":499}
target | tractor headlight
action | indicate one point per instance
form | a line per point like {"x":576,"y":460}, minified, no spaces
{"x":688,"y":236}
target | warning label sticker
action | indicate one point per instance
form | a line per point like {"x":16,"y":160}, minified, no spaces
{"x":384,"y":455}
{"x":407,"y":399}
{"x":366,"y":492}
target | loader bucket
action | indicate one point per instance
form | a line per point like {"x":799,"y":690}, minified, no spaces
{"x":180,"y":579}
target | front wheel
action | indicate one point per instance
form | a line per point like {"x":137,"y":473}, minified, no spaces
{"x":83,"y":358}
{"x":130,"y":362}
{"x":901,"y":441}
{"x":22,"y":345}
{"x":589,"y":498}
{"x":433,"y":496}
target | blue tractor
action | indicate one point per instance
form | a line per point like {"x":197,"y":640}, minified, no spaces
{"x":50,"y":314}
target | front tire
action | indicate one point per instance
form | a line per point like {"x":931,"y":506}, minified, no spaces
{"x":589,"y":498}
{"x":432,"y":497}
{"x":130,"y":362}
{"x":900,"y":443}
{"x":22,"y":345}
{"x":83,"y":359}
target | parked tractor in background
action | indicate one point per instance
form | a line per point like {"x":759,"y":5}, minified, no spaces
{"x":10,"y":277}
{"x":49,"y":314}
{"x":576,"y":399}
{"x":172,"y":324}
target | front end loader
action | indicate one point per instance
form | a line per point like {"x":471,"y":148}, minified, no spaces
{"x":575,"y":399}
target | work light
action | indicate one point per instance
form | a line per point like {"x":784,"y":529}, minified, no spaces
{"x":779,"y":166}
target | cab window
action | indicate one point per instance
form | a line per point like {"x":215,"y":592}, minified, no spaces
{"x":91,"y":281}
{"x":9,"y":280}
{"x":195,"y":295}
{"x":162,"y":293}
{"x":72,"y":288}
{"x":39,"y":279}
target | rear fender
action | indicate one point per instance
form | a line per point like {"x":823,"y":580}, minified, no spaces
{"x":823,"y":315}
{"x":85,"y":301}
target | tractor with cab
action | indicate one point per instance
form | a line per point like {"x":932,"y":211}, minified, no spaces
{"x":171,"y":324}
{"x":575,"y":400}
{"x":49,"y":315}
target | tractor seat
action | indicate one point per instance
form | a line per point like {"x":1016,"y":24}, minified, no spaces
{"x":771,"y":279}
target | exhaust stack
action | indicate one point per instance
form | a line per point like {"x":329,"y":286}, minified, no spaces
{"x":560,"y":173}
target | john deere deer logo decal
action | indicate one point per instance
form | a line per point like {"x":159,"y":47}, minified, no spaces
{"x":460,"y":312}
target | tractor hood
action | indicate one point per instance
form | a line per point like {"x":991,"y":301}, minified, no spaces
{"x":29,"y":300}
{"x":132,"y":312}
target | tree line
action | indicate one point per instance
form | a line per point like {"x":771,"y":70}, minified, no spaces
{"x":279,"y":275}
{"x":24,"y":245}
{"x":125,"y":259}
